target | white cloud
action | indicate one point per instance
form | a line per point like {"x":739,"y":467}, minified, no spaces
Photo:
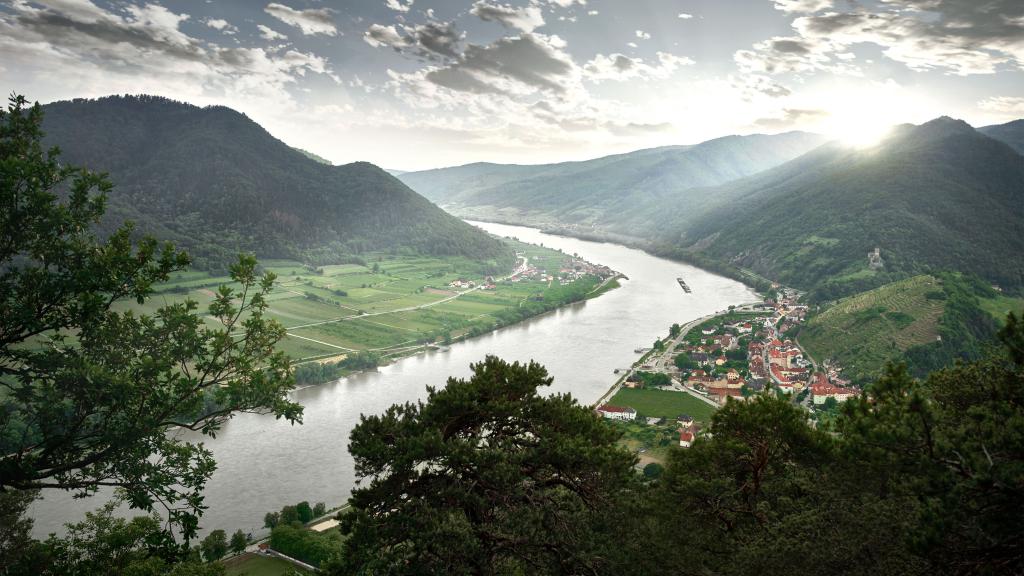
{"x":222,"y":25}
{"x":792,"y":54}
{"x":145,"y":49}
{"x":268,"y":33}
{"x":398,"y":5}
{"x":619,"y":67}
{"x":592,"y":12}
{"x":685,"y":16}
{"x":1004,"y":105}
{"x":806,"y":6}
{"x":311,"y":21}
{"x":961,"y":37}
{"x":642,"y":35}
{"x":522,"y":18}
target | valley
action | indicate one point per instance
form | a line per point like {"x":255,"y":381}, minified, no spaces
{"x":581,"y":344}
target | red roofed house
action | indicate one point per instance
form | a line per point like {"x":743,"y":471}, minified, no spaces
{"x":821,"y":391}
{"x":617,"y":412}
{"x":685,"y":438}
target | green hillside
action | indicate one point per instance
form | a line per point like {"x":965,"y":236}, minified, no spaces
{"x":216,"y":183}
{"x":609,"y":192}
{"x":926,"y":321}
{"x":940,"y":196}
{"x":865,"y":331}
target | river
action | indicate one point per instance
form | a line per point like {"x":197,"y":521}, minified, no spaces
{"x":264,"y":464}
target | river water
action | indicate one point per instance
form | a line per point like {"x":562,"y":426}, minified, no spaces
{"x":264,"y":464}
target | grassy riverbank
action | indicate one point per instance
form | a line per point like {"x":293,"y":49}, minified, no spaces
{"x":390,"y":306}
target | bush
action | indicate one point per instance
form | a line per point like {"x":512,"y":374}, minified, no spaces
{"x":311,"y":547}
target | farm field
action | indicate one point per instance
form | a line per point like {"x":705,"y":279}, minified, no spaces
{"x":1001,"y":305}
{"x":255,"y":565}
{"x":663,"y":403}
{"x":864,"y":331}
{"x":390,"y":305}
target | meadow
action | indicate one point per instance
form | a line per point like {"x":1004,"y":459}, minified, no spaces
{"x":393,"y":305}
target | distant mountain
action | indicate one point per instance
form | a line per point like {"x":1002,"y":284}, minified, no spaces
{"x":1011,"y":133}
{"x":215,"y":182}
{"x":939,"y":196}
{"x":395,"y":172}
{"x":609,"y":192}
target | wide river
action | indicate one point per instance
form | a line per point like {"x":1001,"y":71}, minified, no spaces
{"x":264,"y":464}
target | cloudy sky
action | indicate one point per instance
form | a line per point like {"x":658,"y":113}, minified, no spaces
{"x":414,"y":84}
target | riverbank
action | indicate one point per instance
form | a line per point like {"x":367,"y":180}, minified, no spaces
{"x":745,"y":276}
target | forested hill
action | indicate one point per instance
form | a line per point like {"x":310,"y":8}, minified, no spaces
{"x":605,"y":192}
{"x":939,"y":196}
{"x":215,"y":182}
{"x":1012,"y":133}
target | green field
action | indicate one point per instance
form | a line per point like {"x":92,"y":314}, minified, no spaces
{"x":256,"y":565}
{"x":1001,"y":305}
{"x":391,"y":305}
{"x":865,"y":331}
{"x":663,"y":403}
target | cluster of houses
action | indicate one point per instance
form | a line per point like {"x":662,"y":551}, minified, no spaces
{"x":462,"y":283}
{"x":688,"y":427}
{"x":572,"y":269}
{"x":772,"y":361}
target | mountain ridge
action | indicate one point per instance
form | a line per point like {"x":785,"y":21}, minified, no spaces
{"x":215,"y":182}
{"x":605,"y":191}
{"x":940,"y":195}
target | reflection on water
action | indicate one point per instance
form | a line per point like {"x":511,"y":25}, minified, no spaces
{"x":264,"y":464}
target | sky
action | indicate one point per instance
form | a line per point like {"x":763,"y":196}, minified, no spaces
{"x":416,"y":84}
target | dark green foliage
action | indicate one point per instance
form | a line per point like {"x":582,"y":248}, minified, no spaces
{"x":653,"y":471}
{"x":104,"y":545}
{"x":652,"y":379}
{"x":684,"y":362}
{"x":304,"y":511}
{"x":271,"y":519}
{"x":319,"y":509}
{"x":318,"y":373}
{"x":216,"y":183}
{"x":289,"y":514}
{"x":486,"y":476}
{"x":88,"y":392}
{"x":239,"y":541}
{"x":15,"y":529}
{"x":311,"y":547}
{"x":214,"y":546}
{"x":965,"y":329}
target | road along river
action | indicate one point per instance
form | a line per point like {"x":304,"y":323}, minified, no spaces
{"x":263,"y":464}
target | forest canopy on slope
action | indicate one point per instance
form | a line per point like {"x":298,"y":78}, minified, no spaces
{"x":216,"y":183}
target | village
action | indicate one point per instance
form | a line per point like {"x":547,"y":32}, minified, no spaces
{"x":571,"y":269}
{"x":733,"y":355}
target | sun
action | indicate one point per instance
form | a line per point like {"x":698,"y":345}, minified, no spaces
{"x":862,"y":114}
{"x":861,"y":134}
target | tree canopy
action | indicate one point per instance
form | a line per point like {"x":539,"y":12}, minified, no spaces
{"x":470,"y":480}
{"x":88,"y":391}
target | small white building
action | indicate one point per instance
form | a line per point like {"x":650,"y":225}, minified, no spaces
{"x":624,"y":413}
